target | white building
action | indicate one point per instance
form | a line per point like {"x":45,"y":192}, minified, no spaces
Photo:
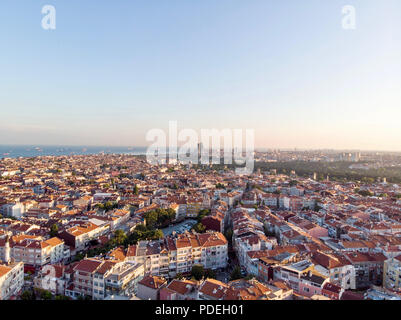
{"x":15,"y":210}
{"x":11,"y":279}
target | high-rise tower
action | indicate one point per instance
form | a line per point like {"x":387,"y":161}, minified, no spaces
{"x":7,"y":251}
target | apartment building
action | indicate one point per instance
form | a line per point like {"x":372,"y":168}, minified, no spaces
{"x":251,"y":242}
{"x":173,"y":255}
{"x":34,"y":251}
{"x":101,"y":278}
{"x":180,"y":290}
{"x":254,"y":290}
{"x":119,"y":218}
{"x":11,"y":279}
{"x":368,"y":268}
{"x":121,"y":279}
{"x":312,"y":283}
{"x":215,"y":221}
{"x":149,"y":287}
{"x":270,"y":200}
{"x":231,"y":197}
{"x":193,"y":206}
{"x":337,"y":267}
{"x":291,"y":274}
{"x":392,"y":273}
{"x":52,"y":278}
{"x":212,"y":289}
{"x":15,"y":210}
{"x":78,"y":236}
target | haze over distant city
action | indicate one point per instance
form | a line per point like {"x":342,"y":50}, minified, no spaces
{"x":109,"y":73}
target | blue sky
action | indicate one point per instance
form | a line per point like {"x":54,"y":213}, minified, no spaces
{"x":112,"y":70}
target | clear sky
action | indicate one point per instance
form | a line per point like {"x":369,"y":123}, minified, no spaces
{"x":112,"y":70}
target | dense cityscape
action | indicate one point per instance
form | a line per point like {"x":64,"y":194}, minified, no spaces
{"x":199,"y":159}
{"x":114,"y":227}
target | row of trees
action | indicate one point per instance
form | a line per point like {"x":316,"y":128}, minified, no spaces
{"x":229,"y":236}
{"x":363,"y":193}
{"x":41,"y":294}
{"x":199,"y":227}
{"x":159,"y":218}
{"x":337,"y":171}
{"x":142,"y":232}
{"x":236,"y":274}
{"x":120,"y":238}
{"x":199,"y":272}
{"x":202,"y":213}
{"x":109,"y":205}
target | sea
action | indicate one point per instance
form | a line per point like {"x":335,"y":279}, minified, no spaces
{"x":11,"y":151}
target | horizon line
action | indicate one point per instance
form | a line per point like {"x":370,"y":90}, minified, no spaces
{"x":256,"y":148}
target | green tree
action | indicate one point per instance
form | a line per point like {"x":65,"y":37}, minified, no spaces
{"x":159,"y":217}
{"x":110,"y":205}
{"x":368,"y":180}
{"x":142,"y":232}
{"x":141,"y":228}
{"x":199,"y":227}
{"x":46,"y":295}
{"x":268,"y":233}
{"x":210,"y":274}
{"x":365,"y":193}
{"x":53,"y":230}
{"x":201,"y":214}
{"x":119,"y":237}
{"x":28,"y":295}
{"x":229,"y":235}
{"x":179,"y":276}
{"x":151,"y":219}
{"x":318,"y":206}
{"x":198,"y":272}
{"x":79,"y":256}
{"x":136,"y":189}
{"x":236,"y":273}
{"x":158,"y":234}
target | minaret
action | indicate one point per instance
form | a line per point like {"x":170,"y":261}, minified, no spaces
{"x":7,"y":256}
